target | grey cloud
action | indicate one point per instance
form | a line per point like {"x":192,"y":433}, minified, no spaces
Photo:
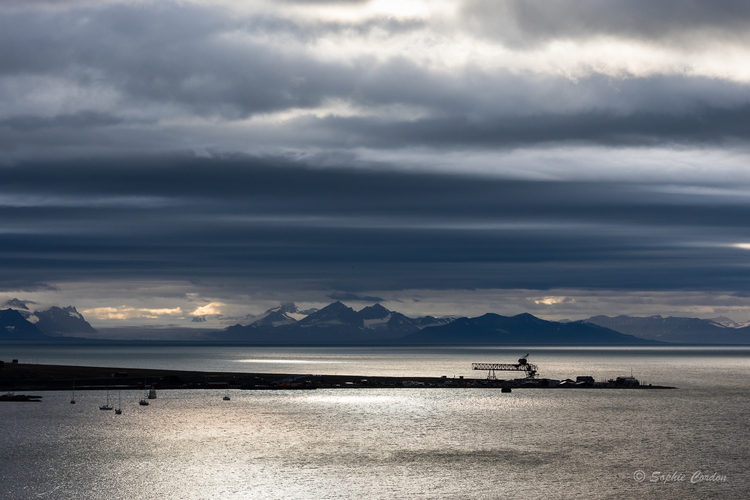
{"x":200,"y":58}
{"x":18,"y":304}
{"x":188,"y":60}
{"x":19,"y":282}
{"x":78,"y":120}
{"x":529,"y":110}
{"x":353,"y":297}
{"x":526,"y":23}
{"x":705,"y":126}
{"x":653,"y":112}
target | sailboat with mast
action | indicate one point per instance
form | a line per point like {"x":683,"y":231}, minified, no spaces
{"x":143,"y":401}
{"x":106,"y":406}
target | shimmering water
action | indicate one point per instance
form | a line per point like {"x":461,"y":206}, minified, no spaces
{"x":386,"y":443}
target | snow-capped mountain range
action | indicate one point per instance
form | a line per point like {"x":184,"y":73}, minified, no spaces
{"x":19,"y":323}
{"x":285,"y":314}
{"x":340,"y":323}
{"x":335,"y":322}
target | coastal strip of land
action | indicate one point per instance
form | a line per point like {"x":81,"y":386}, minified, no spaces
{"x":39,"y":377}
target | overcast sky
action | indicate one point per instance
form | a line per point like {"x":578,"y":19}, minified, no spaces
{"x":165,"y":161}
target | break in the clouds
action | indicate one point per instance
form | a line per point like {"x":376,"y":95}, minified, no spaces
{"x":170,"y":161}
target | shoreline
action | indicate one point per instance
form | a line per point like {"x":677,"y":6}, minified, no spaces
{"x":35,"y":377}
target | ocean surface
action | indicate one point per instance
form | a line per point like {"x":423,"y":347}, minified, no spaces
{"x":691,"y":442}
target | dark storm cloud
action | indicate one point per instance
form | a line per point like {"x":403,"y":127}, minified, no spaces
{"x":274,"y":190}
{"x":529,"y":22}
{"x":272,"y":219}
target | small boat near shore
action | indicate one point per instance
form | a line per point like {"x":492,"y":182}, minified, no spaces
{"x":151,"y":394}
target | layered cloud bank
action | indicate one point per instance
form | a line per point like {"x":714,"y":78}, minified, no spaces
{"x":162,"y":157}
{"x":366,"y":78}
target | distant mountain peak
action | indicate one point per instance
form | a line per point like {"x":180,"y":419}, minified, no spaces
{"x":728,"y":322}
{"x":332,"y":314}
{"x":14,"y":326}
{"x":376,"y":311}
{"x":335,"y":307}
{"x":276,"y":316}
{"x":288,"y":307}
{"x":676,"y":329}
{"x":61,"y":321}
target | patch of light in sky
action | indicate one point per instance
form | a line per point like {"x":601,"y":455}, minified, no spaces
{"x":338,"y":108}
{"x":212,"y":308}
{"x":551,"y":300}
{"x":443,"y":45}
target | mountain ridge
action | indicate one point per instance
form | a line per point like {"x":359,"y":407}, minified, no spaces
{"x":675,"y":329}
{"x":523,"y":328}
{"x":340,"y":323}
{"x":337,"y":322}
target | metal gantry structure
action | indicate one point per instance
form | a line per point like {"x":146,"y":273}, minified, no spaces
{"x":523,"y":365}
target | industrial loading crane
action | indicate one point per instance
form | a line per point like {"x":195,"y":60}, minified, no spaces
{"x":523,"y":365}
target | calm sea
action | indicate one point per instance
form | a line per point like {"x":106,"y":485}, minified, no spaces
{"x":693,"y":442}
